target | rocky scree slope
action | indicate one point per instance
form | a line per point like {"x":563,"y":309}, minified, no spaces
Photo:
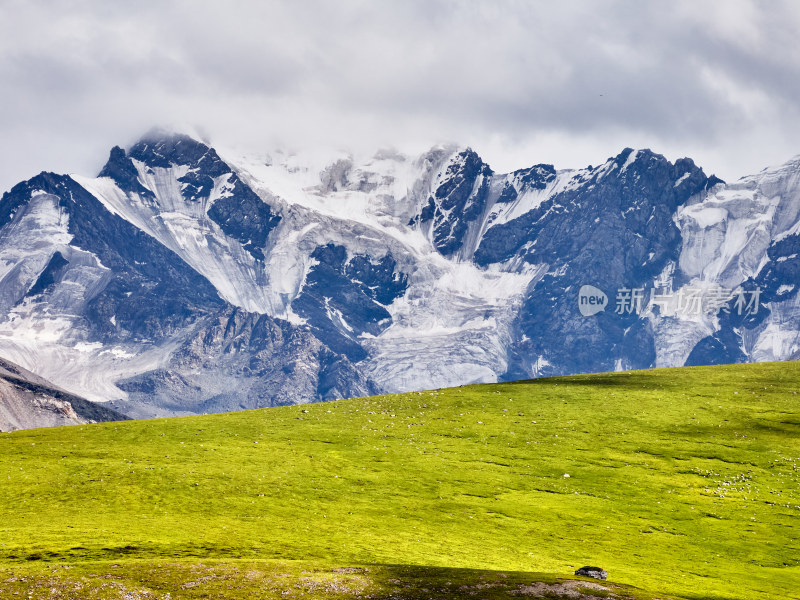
{"x":28,"y":401}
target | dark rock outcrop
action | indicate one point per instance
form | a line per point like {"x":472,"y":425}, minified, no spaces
{"x":594,"y":572}
{"x":345,"y":297}
{"x":460,"y":199}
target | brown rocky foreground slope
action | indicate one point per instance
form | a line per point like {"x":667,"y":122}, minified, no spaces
{"x":28,"y":401}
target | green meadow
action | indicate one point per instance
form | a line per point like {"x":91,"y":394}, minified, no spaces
{"x":681,"y":483}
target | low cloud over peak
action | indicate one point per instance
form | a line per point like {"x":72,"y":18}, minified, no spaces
{"x":521,"y":82}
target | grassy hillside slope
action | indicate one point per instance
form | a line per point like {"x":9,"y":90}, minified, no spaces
{"x":683,"y":481}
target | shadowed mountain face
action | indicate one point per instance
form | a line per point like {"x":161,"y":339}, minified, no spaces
{"x":28,"y":401}
{"x":612,"y":228}
{"x":182,"y":281}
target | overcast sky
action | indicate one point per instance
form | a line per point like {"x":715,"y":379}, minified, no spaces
{"x":522,"y":82}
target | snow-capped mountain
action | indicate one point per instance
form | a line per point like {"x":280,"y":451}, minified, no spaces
{"x":189,"y":279}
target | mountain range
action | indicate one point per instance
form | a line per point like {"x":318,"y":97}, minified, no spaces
{"x":186,"y":279}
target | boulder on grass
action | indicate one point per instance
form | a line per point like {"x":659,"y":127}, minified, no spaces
{"x":595,"y":572}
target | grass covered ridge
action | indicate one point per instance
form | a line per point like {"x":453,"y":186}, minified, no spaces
{"x":681,"y":481}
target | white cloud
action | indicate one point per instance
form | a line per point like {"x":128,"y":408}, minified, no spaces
{"x":520,"y":81}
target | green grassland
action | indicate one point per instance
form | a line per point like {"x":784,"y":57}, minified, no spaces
{"x":684,"y":482}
